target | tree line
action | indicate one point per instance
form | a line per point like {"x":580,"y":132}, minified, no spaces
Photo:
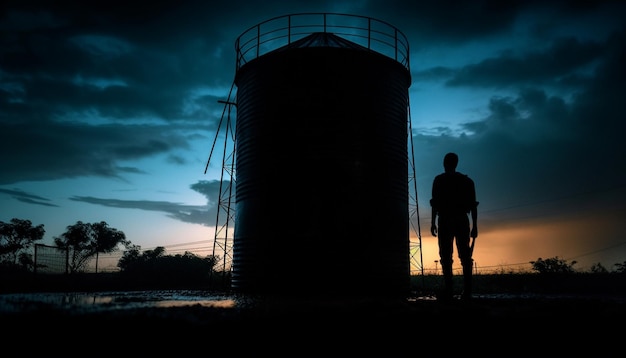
{"x":557,"y":265}
{"x":86,"y":241}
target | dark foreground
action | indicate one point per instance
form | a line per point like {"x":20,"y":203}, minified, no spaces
{"x":488,"y":326}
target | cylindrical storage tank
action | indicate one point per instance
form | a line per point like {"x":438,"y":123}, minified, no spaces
{"x":322,"y":171}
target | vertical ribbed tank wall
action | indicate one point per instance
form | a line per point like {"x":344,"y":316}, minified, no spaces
{"x":322,"y":174}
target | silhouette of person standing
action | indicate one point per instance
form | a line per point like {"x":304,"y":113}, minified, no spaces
{"x":453,"y":198}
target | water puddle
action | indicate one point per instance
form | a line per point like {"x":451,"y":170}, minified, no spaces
{"x":86,"y":302}
{"x":94,"y":301}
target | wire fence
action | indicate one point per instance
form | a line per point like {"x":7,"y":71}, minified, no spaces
{"x":55,"y":260}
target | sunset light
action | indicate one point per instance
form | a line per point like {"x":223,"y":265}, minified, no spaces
{"x":109,"y":122}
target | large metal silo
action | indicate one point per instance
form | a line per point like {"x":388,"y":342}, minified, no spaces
{"x":322,"y":168}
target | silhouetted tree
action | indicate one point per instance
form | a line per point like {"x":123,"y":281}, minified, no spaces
{"x":131,"y":256}
{"x":621,"y":268}
{"x":553,"y":265}
{"x":86,"y":240}
{"x":16,"y":239}
{"x":156,"y":268}
{"x":598,"y":268}
{"x":134,"y":261}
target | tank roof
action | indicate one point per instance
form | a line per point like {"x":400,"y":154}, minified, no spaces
{"x":322,"y":30}
{"x":323,"y":39}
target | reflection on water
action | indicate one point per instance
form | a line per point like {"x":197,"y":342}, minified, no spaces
{"x":84,"y":302}
{"x":94,"y":301}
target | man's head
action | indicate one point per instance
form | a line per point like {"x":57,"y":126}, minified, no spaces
{"x":450,"y":162}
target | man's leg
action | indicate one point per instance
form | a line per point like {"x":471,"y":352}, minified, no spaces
{"x":448,"y":290}
{"x":445,"y":259}
{"x":467,"y":279}
{"x":465,"y":254}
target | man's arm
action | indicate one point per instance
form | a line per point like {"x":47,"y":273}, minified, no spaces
{"x":433,"y":221}
{"x":474,"y":209}
{"x":433,"y":205}
{"x":474,"y":213}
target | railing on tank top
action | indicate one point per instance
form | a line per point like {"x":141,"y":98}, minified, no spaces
{"x":375,"y":35}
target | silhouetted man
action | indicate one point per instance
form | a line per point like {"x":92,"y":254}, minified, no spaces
{"x":453,"y":198}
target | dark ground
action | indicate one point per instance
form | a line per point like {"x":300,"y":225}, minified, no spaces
{"x":522,"y":318}
{"x":338,"y":327}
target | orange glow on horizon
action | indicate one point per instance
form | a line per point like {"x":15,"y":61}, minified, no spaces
{"x":510,"y":248}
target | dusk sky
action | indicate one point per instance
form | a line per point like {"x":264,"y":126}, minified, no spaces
{"x":108,"y":113}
